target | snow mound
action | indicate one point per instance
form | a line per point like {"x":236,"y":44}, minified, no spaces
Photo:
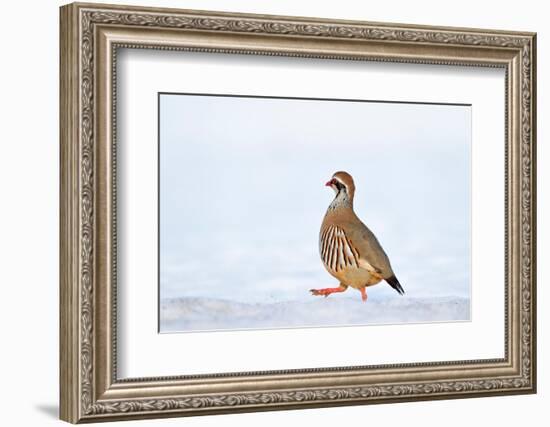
{"x":201,"y":314}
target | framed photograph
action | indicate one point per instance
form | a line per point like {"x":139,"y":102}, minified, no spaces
{"x":267,"y":212}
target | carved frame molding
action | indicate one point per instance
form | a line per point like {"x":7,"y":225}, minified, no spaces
{"x":90,"y":36}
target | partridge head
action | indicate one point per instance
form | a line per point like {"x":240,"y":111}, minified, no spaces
{"x":349,"y":251}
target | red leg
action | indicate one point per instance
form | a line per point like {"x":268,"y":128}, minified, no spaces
{"x":327,"y":291}
{"x":364,"y":294}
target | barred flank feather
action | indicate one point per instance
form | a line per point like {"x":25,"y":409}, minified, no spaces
{"x":336,"y":249}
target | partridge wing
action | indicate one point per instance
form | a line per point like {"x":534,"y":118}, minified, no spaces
{"x":371,"y":255}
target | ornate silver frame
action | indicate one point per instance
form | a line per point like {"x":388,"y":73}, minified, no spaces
{"x":90,"y":35}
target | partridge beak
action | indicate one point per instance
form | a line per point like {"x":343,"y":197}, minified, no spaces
{"x":329,"y":183}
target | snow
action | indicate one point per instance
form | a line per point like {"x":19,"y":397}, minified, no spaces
{"x":201,"y":314}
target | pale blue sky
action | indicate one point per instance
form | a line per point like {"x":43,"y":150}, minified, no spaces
{"x":242,"y":194}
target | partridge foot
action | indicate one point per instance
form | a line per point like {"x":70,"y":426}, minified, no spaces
{"x":326,"y":291}
{"x":363,"y":294}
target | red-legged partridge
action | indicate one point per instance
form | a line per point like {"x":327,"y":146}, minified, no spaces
{"x":349,"y":250}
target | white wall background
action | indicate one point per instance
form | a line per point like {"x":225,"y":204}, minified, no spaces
{"x":29,"y":212}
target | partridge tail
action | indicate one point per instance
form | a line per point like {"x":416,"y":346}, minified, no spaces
{"x":394,"y":283}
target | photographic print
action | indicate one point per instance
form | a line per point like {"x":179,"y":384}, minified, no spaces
{"x":297,"y":212}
